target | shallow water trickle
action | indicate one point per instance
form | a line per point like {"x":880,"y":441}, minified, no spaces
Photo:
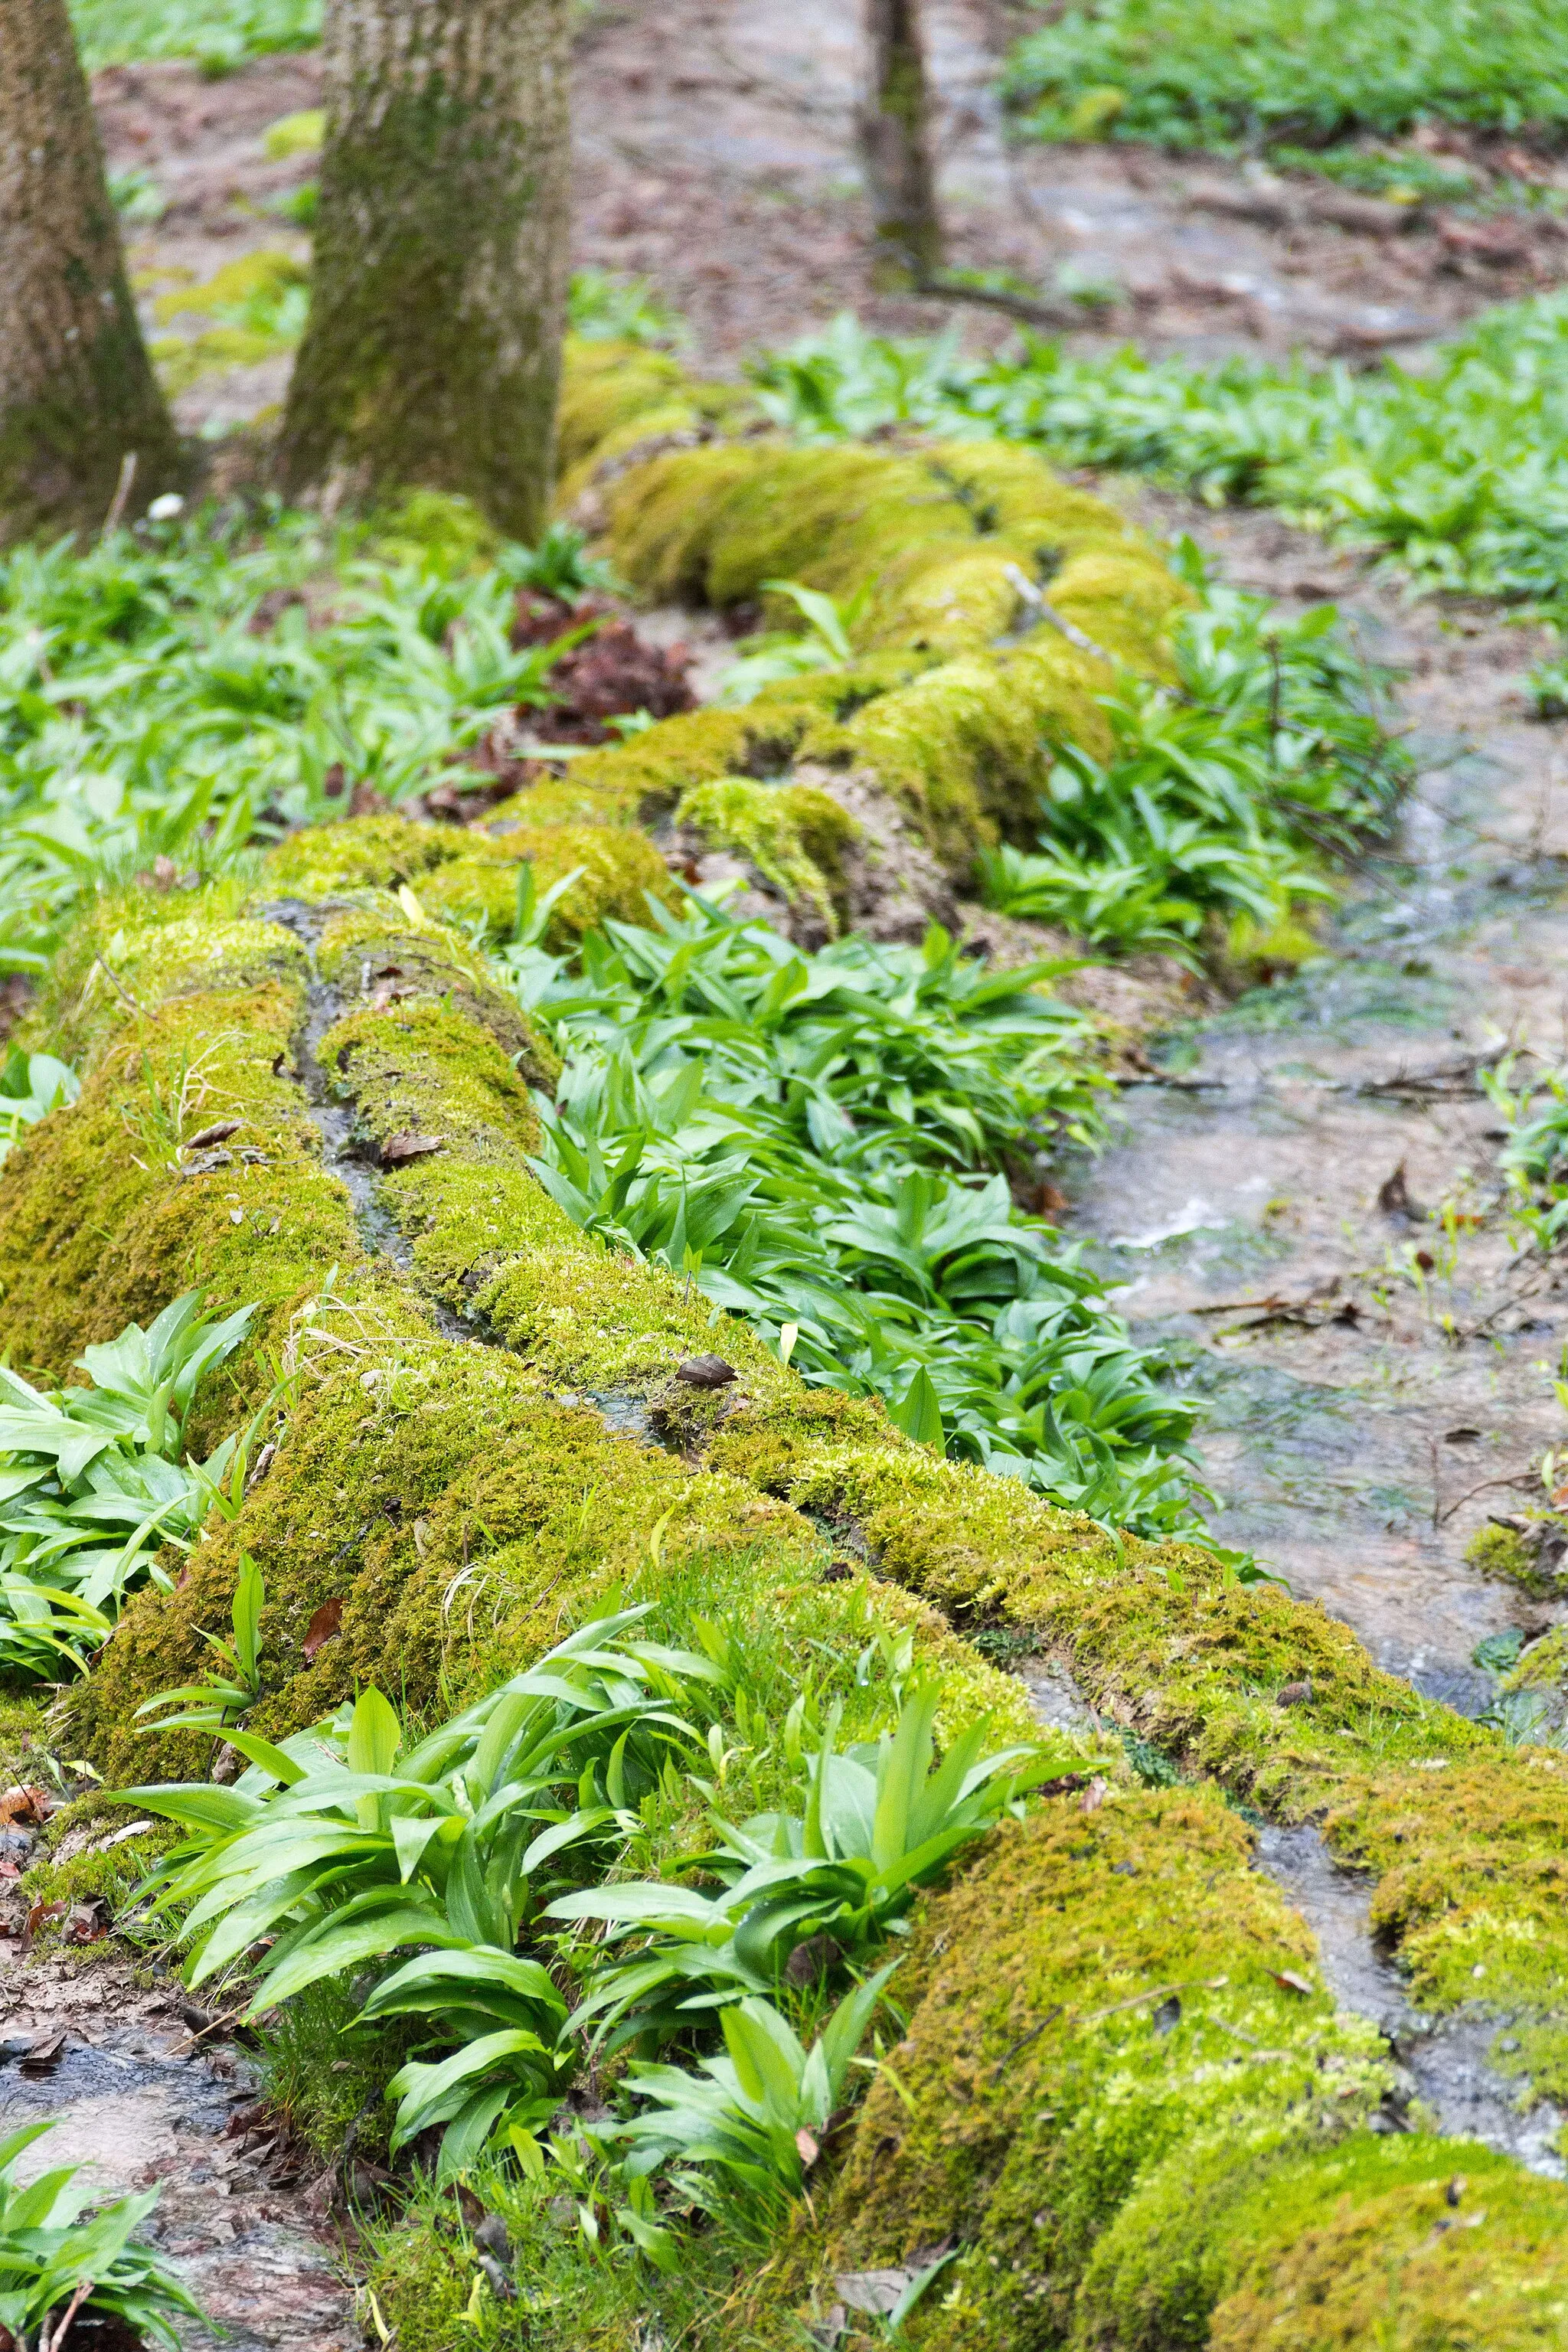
{"x":1446,"y":2062}
{"x":1372,"y":1384}
{"x":141,"y":2104}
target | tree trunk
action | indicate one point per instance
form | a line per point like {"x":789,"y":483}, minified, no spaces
{"x":77,"y":395}
{"x":433,"y":351}
{"x":895,"y":148}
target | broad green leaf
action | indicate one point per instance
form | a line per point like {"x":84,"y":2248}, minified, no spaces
{"x":375,"y":1735}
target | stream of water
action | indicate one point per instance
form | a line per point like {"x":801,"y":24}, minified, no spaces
{"x":1363,"y":1411}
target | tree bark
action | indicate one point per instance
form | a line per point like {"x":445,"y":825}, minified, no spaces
{"x":77,"y":395}
{"x":433,"y":352}
{"x":895,"y":148}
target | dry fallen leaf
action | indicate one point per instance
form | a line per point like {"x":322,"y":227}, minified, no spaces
{"x":1291,"y":1981}
{"x":809,"y":2151}
{"x":25,"y":1804}
{"x":1092,"y":1798}
{"x":875,"y":2291}
{"x":408,"y":1146}
{"x":218,"y":1132}
{"x":326,"y":1622}
{"x":705,"y":1372}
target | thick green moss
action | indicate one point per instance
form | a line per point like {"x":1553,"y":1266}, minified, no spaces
{"x":794,"y":834}
{"x":617,"y":870}
{"x":603,"y":384}
{"x":1472,"y":1864}
{"x":373,"y":952}
{"x":662,"y":515}
{"x":1094,"y":2009}
{"x":651,"y":771}
{"x":966,"y":749}
{"x":619,"y":397}
{"x":1100,"y":2169}
{"x":463,"y":1519}
{"x":1124,"y":2090}
{"x":385,"y":851}
{"x":923,"y":540}
{"x":928,"y":547}
{"x":1462,"y":2254}
{"x":103,"y":1219}
{"x":1163,"y":1636}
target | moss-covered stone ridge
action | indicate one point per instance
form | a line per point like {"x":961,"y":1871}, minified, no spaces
{"x":1124,"y":2091}
{"x":462,"y":1503}
{"x":1115,"y":2090}
{"x":964,"y":685}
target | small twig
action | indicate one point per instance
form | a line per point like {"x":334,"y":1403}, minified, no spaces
{"x":1236,"y":1305}
{"x":119,"y":984}
{"x":1037,"y":603}
{"x":51,"y":2343}
{"x":1095,"y":2016}
{"x":1017,"y":306}
{"x":1155,"y":1992}
{"x":121,"y":494}
{"x":1525,"y":1477}
{"x":1022,"y":2042}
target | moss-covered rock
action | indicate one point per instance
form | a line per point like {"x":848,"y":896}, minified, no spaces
{"x":794,"y":835}
{"x":1123,"y":2086}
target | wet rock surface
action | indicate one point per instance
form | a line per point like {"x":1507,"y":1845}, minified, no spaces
{"x":1304,"y":1199}
{"x":142,"y":2101}
{"x":1446,"y":2065}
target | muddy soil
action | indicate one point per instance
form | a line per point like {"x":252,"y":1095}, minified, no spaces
{"x":715,"y":157}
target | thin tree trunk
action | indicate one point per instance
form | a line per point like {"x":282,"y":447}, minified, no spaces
{"x":895,"y":147}
{"x":77,"y":395}
{"x":433,"y":351}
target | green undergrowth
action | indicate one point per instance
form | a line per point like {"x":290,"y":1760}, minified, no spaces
{"x":1105,"y":2057}
{"x":805,"y":1137}
{"x":1222,"y":75}
{"x":255,"y":308}
{"x":174,"y":693}
{"x":1456,"y":469}
{"x":220,"y":35}
{"x":431,"y":1508}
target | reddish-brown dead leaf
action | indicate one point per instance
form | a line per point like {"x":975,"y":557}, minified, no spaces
{"x":327,"y":1622}
{"x":408,"y":1146}
{"x":26,"y":1805}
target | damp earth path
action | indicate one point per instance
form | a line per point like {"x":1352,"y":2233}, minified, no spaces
{"x":1354,"y":1446}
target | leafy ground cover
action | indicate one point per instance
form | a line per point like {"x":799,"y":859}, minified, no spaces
{"x":166,"y":695}
{"x":93,"y":1486}
{"x":219,"y":33}
{"x":825,"y":1144}
{"x":453,"y":1866}
{"x":809,"y":1139}
{"x":1225,"y":73}
{"x":1460,"y":470}
{"x":54,"y":2265}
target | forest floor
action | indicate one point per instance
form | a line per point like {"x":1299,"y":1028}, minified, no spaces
{"x":1364,"y":1411}
{"x":715,"y":158}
